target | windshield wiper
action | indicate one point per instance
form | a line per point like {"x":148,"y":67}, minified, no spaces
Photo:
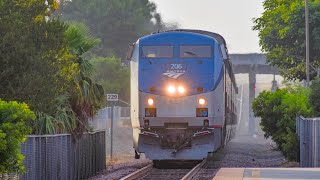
{"x":190,"y":53}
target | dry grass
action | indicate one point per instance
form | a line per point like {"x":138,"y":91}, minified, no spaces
{"x":290,"y":164}
{"x":119,"y":160}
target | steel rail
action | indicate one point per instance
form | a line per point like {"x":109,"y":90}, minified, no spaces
{"x":194,"y":171}
{"x":138,"y":173}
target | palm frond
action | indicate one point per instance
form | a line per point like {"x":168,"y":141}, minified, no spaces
{"x":86,"y":67}
{"x":63,"y":121}
{"x":44,"y":124}
{"x":79,"y":38}
{"x":65,"y":117}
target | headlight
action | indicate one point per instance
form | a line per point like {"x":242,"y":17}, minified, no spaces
{"x":181,"y":89}
{"x":171,"y":89}
{"x":202,"y":101}
{"x":150,"y":101}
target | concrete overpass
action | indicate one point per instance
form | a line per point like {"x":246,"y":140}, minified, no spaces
{"x":252,"y":64}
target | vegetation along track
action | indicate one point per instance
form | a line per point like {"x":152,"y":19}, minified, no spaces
{"x":150,"y":173}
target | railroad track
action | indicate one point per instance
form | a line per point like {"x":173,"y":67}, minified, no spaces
{"x":151,"y":173}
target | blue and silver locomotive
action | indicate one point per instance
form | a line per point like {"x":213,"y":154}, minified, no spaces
{"x":182,"y":94}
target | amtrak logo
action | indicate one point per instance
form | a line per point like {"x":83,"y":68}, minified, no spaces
{"x":174,"y":75}
{"x":174,"y":70}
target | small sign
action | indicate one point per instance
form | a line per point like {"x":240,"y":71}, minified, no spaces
{"x":112,"y":97}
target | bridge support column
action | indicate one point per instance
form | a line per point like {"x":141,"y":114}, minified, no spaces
{"x":252,"y":88}
{"x":274,"y":84}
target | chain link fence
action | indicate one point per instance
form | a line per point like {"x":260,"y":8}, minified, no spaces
{"x":60,"y":157}
{"x":120,"y":131}
{"x":308,"y":130}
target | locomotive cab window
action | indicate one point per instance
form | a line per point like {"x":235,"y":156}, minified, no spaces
{"x":198,"y":51}
{"x":157,"y":51}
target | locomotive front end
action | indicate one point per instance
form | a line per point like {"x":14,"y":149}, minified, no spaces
{"x":177,"y":127}
{"x":177,"y":96}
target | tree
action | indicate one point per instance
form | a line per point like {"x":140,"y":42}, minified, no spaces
{"x":116,"y":23}
{"x":315,"y":96}
{"x":14,"y":120}
{"x":282,"y":36}
{"x":64,"y":120}
{"x":36,"y":67}
{"x":278,"y":111}
{"x":88,"y":96}
{"x":113,"y":76}
{"x":76,"y":106}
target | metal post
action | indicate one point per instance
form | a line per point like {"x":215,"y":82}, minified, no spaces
{"x":307,"y":41}
{"x":111,"y":130}
{"x":274,"y":84}
{"x":240,"y":108}
{"x":252,"y":84}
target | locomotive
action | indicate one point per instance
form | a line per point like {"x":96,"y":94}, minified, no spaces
{"x":183,"y":94}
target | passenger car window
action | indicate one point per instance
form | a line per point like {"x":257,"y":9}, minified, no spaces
{"x":157,"y":51}
{"x":195,"y":51}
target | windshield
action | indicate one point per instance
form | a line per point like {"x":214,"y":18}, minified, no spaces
{"x":157,"y":51}
{"x":188,"y":51}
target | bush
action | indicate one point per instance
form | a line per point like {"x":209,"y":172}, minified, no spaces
{"x":278,"y":111}
{"x":315,"y":96}
{"x":15,"y":119}
{"x":64,"y":120}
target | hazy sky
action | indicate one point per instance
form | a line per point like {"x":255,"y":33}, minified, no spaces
{"x":230,"y":18}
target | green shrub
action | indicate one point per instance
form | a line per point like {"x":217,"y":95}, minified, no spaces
{"x":315,"y":96}
{"x":15,"y":119}
{"x":278,"y":111}
{"x":63,"y":121}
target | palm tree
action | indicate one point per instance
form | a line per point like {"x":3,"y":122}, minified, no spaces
{"x":88,"y":96}
{"x":63,"y":121}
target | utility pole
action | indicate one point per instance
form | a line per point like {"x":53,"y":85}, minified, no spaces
{"x":307,"y":41}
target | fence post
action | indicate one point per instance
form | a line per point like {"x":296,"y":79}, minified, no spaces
{"x":301,"y":139}
{"x":318,"y":143}
{"x":298,"y":136}
{"x":314,"y":142}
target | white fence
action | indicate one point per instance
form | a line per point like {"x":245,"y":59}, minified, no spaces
{"x":308,"y":130}
{"x":120,"y":132}
{"x":103,"y":118}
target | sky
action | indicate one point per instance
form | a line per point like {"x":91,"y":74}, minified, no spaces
{"x":230,"y":18}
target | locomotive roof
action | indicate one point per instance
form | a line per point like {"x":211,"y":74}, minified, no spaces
{"x":216,"y":36}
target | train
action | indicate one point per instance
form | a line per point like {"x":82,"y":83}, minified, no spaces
{"x":183,"y":94}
